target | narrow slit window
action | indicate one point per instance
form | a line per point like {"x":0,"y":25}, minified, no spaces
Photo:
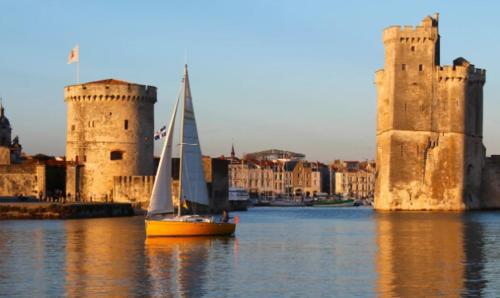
{"x":125,"y":124}
{"x":403,"y":66}
{"x":421,"y":67}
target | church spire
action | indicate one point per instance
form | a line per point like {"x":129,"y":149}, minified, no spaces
{"x":233,"y":155}
{"x":1,"y":109}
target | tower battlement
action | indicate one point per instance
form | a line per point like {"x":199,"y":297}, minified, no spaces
{"x":110,"y":90}
{"x":426,"y":31}
{"x":459,"y":73}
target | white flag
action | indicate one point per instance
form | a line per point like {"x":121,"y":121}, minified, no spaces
{"x":73,"y":55}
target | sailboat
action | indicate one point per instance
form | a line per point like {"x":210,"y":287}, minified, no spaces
{"x":160,"y":219}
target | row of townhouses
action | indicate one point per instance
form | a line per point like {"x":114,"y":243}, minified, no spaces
{"x":354,"y":179}
{"x":278,"y":173}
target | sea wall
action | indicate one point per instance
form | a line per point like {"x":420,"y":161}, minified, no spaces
{"x":63,"y":211}
{"x":490,"y":191}
{"x":26,"y":180}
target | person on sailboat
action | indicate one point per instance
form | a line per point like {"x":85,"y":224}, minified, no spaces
{"x":225,"y":216}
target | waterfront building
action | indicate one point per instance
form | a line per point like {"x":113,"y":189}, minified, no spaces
{"x":278,"y":173}
{"x":430,"y":153}
{"x":36,"y":176}
{"x":354,"y":179}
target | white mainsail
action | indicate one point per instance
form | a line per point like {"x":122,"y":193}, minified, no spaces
{"x":161,"y":195}
{"x":193,"y":186}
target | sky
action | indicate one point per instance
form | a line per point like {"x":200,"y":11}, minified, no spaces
{"x":292,"y":75}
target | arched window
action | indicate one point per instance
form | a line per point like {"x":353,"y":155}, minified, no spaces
{"x":116,"y":155}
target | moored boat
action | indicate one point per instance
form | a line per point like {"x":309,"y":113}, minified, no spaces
{"x":160,"y":219}
{"x":238,"y":199}
{"x":335,"y":203}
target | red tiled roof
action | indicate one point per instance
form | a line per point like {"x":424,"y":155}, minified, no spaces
{"x":110,"y":82}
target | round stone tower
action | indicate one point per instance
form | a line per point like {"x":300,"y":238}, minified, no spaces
{"x":110,"y":126}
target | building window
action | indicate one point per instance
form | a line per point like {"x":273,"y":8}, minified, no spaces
{"x":421,"y":67}
{"x":413,"y":49}
{"x":116,"y":155}
{"x":403,"y":66}
{"x":125,"y":124}
{"x":73,"y":127}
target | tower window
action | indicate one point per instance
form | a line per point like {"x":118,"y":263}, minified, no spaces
{"x":421,"y":67}
{"x":72,"y":127}
{"x":413,"y":48}
{"x":125,"y":124}
{"x":116,"y":155}
{"x":403,"y":66}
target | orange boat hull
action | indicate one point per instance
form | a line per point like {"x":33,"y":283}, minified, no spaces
{"x":158,"y":228}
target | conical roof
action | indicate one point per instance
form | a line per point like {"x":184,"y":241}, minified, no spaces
{"x":4,"y":122}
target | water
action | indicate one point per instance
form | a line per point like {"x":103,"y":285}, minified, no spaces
{"x":288,"y":252}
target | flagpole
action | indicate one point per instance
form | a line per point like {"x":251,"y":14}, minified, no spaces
{"x":78,"y":66}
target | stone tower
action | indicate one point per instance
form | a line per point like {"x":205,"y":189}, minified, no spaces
{"x":110,"y":126}
{"x":429,"y":125}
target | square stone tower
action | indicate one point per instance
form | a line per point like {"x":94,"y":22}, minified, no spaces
{"x":430,"y":152}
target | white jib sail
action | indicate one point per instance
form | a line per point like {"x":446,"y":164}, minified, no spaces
{"x":193,"y":184}
{"x":161,"y":195}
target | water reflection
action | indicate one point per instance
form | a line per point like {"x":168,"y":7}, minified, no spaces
{"x":178,"y":266}
{"x":474,"y":244}
{"x":104,"y":258}
{"x":307,"y":252}
{"x":428,"y":254}
{"x":27,"y":252}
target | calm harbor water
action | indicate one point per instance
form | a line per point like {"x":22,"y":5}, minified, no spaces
{"x":277,"y":252}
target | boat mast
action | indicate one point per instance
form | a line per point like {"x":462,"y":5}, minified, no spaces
{"x":181,"y":148}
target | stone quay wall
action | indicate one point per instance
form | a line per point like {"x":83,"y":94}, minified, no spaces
{"x":63,"y":211}
{"x":137,"y":189}
{"x":490,"y":192}
{"x":25,"y":180}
